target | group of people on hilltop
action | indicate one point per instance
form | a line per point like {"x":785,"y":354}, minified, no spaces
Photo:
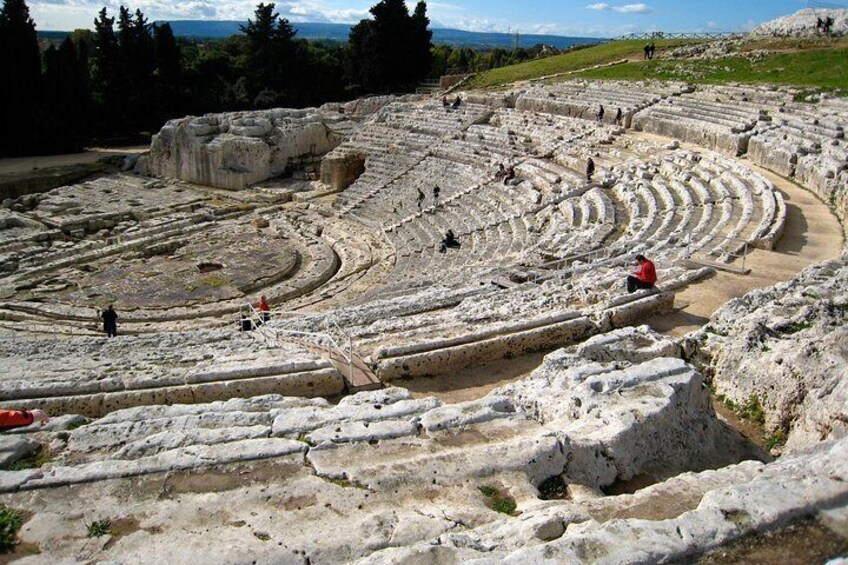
{"x":825,"y":25}
{"x":649,"y":50}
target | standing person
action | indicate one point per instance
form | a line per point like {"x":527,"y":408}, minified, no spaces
{"x":20,"y":418}
{"x":647,"y":50}
{"x":420,"y":199}
{"x":590,"y":169}
{"x":600,"y":115}
{"x":436,"y":192}
{"x":264,"y":309}
{"x":618,"y":117}
{"x":651,"y":51}
{"x":645,"y":277}
{"x":445,"y":103}
{"x":456,"y":102}
{"x":110,"y":321}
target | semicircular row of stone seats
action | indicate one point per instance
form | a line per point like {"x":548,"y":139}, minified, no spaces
{"x":583,"y":99}
{"x":156,"y":368}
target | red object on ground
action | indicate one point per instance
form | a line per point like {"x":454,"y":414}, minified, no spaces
{"x":15,"y":419}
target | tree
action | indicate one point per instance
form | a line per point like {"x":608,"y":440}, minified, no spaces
{"x":390,"y":52}
{"x":169,"y":72}
{"x":64,"y":108}
{"x":20,"y":65}
{"x":107,"y":79}
{"x":270,"y":63}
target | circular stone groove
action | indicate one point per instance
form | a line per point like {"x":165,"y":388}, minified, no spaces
{"x":239,"y":262}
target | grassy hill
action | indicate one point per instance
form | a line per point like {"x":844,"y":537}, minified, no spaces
{"x":818,"y":63}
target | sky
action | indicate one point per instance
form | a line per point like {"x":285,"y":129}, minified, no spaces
{"x":586,"y":18}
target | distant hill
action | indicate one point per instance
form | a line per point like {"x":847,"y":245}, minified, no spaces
{"x":339,"y":32}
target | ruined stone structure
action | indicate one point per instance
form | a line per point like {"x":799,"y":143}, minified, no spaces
{"x":200,"y":442}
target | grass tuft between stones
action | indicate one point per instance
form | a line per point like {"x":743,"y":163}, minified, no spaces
{"x":99,"y":528}
{"x":11,"y":521}
{"x":498,"y":500}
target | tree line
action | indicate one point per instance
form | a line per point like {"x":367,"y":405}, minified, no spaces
{"x":126,"y":77}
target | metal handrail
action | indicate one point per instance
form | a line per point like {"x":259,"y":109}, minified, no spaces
{"x":260,"y":324}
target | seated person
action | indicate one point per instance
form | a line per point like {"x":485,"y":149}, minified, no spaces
{"x":510,"y":175}
{"x":20,"y":418}
{"x":501,"y":172}
{"x":457,"y":101}
{"x":449,"y":241}
{"x":645,"y":277}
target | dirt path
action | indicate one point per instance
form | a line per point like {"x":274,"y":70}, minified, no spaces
{"x":92,"y":155}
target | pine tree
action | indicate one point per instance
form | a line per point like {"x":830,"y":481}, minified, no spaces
{"x":107,"y":80}
{"x":270,"y":63}
{"x":390,"y":52}
{"x":20,"y":67}
{"x":168,"y":74}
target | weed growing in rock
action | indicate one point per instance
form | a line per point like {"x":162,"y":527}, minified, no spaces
{"x":753,"y":410}
{"x":99,"y":528}
{"x":303,"y":439}
{"x":345,"y":483}
{"x":10,"y":522}
{"x":715,"y":331}
{"x":499,"y":501}
{"x":775,"y":439}
{"x":795,"y":327}
{"x":34,"y":460}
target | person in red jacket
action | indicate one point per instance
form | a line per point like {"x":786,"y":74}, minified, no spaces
{"x":264,"y":309}
{"x":645,"y":277}
{"x":19,"y":418}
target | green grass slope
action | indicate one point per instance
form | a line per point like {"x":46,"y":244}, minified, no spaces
{"x":816,"y":64}
{"x":571,"y":61}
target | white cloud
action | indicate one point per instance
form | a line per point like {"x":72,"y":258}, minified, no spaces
{"x":640,"y":8}
{"x":633,"y":9}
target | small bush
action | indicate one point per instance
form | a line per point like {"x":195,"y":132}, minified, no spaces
{"x":795,"y":327}
{"x":99,"y":528}
{"x":11,"y":521}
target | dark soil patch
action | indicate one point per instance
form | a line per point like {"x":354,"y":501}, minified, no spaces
{"x":629,"y":486}
{"x":554,"y":488}
{"x":807,"y":541}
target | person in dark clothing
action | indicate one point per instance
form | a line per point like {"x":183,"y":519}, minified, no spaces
{"x":828,"y":25}
{"x":501,"y":172}
{"x":590,"y":169}
{"x":819,"y":25}
{"x":436,"y":192}
{"x":645,"y":277}
{"x":456,"y":103}
{"x":647,"y":50}
{"x":510,"y":174}
{"x":445,"y":103}
{"x":420,"y":199}
{"x":651,"y":51}
{"x":600,"y":115}
{"x":449,"y":241}
{"x":110,"y":321}
{"x":618,"y":116}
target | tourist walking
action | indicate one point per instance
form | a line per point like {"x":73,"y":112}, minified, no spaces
{"x":600,"y":114}
{"x":618,"y":117}
{"x":20,"y":418}
{"x":647,"y":50}
{"x":420,"y":199}
{"x":644,"y":277}
{"x":436,"y":192}
{"x":110,"y":321}
{"x":590,"y":169}
{"x":651,"y":51}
